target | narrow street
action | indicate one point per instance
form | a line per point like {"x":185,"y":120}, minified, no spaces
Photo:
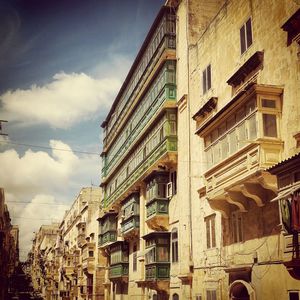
{"x":20,"y":285}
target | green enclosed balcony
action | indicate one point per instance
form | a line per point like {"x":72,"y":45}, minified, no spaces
{"x":119,"y":261}
{"x":159,"y":147}
{"x":162,"y":93}
{"x":130,"y":224}
{"x":159,"y":46}
{"x":107,"y":229}
{"x":158,"y":271}
{"x":157,"y":202}
{"x":119,"y":271}
{"x":157,"y":264}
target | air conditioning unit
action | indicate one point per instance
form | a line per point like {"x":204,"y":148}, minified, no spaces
{"x":169,"y":189}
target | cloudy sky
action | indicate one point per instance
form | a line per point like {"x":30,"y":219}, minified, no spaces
{"x":62,"y":63}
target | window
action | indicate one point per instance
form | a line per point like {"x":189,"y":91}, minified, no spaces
{"x":198,"y":297}
{"x":237,"y":229}
{"x":206,"y":79}
{"x":246,"y":36}
{"x":210,"y":231}
{"x":269,"y":125}
{"x":294,"y":295}
{"x":175,"y":297}
{"x":173,"y":179}
{"x":211,"y":295}
{"x":134,"y":258}
{"x":91,"y":253}
{"x":174,"y":236}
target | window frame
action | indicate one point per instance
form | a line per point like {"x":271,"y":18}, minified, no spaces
{"x":293,"y":291}
{"x":211,"y":294}
{"x":206,"y":79}
{"x":246,"y":40}
{"x":236,"y":223}
{"x":210,"y":224}
{"x":174,"y":245}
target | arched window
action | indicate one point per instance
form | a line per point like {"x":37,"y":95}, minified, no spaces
{"x":174,"y":237}
{"x":175,"y":297}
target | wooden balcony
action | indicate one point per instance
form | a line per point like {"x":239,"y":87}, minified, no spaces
{"x":107,"y":238}
{"x":165,"y":153}
{"x":130,"y":227}
{"x":157,"y":271}
{"x":157,"y":213}
{"x":119,"y":272}
{"x":69,"y":270}
{"x":241,"y":141}
{"x":88,"y":265}
{"x":241,"y":178}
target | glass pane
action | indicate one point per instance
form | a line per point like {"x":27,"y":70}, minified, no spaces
{"x":250,"y":106}
{"x":252,"y":127}
{"x":242,"y":39}
{"x":242,"y":135}
{"x":204,"y":81}
{"x":249,"y":33}
{"x":162,"y":254}
{"x":224,"y":147}
{"x":269,"y":125}
{"x":268,"y":103}
{"x":208,"y":77}
{"x":232,"y":142}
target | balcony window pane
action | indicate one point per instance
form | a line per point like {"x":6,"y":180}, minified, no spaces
{"x":162,"y":254}
{"x":268,"y":103}
{"x":150,"y":256}
{"x":269,"y":125}
{"x":242,"y":137}
{"x":216,"y":153}
{"x":224,"y":147}
{"x":252,"y":127}
{"x":232,"y":142}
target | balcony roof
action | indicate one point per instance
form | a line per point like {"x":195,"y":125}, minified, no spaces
{"x":284,"y":163}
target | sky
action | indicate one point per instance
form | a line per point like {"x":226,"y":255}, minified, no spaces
{"x":62,"y":63}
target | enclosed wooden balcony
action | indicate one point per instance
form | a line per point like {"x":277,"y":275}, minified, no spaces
{"x":161,"y":95}
{"x":107,"y":229}
{"x":130,"y":224}
{"x":88,"y":265}
{"x":159,"y":46}
{"x":241,"y":141}
{"x":157,"y":148}
{"x":119,"y":272}
{"x":119,"y":261}
{"x":157,"y":257}
{"x":157,"y":202}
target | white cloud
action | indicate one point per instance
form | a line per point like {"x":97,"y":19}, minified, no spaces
{"x":67,"y":100}
{"x":39,"y":177}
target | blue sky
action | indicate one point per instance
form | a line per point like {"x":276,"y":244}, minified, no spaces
{"x":62,"y":63}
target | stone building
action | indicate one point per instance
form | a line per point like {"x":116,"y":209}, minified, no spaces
{"x":237,"y":89}
{"x":187,"y":195}
{"x":43,"y":263}
{"x":9,"y":247}
{"x":139,"y":172}
{"x":80,"y":270}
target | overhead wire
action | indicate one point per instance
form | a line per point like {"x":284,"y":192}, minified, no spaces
{"x":48,"y":148}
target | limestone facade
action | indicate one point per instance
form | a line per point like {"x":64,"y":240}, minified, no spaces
{"x":240,"y":105}
{"x":9,"y":248}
